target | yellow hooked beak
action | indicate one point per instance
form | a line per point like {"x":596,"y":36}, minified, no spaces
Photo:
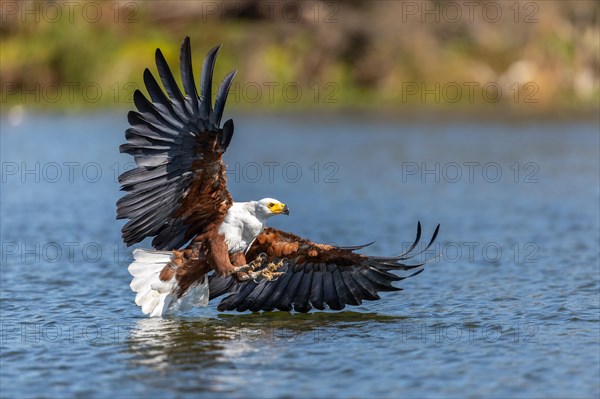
{"x":279,"y":208}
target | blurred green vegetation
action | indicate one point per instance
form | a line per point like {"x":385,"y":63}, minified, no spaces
{"x":521,"y":56}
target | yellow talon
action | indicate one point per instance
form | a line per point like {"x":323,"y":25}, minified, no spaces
{"x":268,"y":273}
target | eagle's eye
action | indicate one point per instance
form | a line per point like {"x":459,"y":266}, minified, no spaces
{"x":270,"y":205}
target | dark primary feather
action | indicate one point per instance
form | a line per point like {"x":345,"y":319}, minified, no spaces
{"x":316,"y":275}
{"x":187,"y":75}
{"x":206,"y":82}
{"x":178,"y":189}
{"x":215,"y":117}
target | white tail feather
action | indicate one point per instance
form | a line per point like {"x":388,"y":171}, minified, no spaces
{"x":156,"y":297}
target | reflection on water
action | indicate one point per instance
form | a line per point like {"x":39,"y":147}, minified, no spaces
{"x":220,"y":341}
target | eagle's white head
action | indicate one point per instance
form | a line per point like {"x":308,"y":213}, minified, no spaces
{"x":267,"y":207}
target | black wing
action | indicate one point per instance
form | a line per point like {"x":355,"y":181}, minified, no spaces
{"x":179,"y":188}
{"x":316,"y":275}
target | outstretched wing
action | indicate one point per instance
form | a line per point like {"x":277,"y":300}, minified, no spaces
{"x":178,"y":189}
{"x":316,"y":275}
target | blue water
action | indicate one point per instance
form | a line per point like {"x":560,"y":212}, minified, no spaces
{"x":511,"y":308}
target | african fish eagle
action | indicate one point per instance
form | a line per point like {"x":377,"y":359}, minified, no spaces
{"x":206,"y":245}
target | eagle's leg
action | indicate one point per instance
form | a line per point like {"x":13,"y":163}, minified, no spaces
{"x":249,"y":272}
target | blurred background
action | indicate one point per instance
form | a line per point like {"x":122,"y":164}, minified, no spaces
{"x":364,"y":117}
{"x":522,"y":57}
